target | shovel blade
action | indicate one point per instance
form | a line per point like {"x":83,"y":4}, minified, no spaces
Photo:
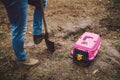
{"x":50,"y":45}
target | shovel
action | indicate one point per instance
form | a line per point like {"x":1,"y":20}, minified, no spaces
{"x":50,"y":44}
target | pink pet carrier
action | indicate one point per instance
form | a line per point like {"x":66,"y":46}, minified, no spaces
{"x":86,"y":48}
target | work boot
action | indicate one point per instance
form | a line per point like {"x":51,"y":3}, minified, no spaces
{"x":38,"y":38}
{"x":29,"y":62}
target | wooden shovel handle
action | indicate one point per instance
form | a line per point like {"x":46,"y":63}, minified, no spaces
{"x":44,"y":21}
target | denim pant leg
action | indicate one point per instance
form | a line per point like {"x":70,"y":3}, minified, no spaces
{"x":37,"y":20}
{"x":17,"y":14}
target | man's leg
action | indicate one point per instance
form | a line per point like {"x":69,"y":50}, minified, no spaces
{"x":37,"y":20}
{"x":17,"y":14}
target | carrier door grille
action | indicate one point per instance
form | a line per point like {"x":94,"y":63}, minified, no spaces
{"x":80,"y":52}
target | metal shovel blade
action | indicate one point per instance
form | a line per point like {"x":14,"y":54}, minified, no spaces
{"x":50,"y":45}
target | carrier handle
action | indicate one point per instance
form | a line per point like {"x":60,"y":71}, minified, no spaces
{"x":86,"y":37}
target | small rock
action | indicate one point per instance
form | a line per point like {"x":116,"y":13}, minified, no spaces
{"x":118,"y":30}
{"x":30,"y":32}
{"x":95,"y":71}
{"x":1,"y":32}
{"x":29,"y":44}
{"x":86,"y":71}
{"x":1,"y":58}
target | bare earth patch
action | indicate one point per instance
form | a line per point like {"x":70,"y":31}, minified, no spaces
{"x":67,"y":20}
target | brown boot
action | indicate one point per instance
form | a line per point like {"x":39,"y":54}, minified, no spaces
{"x":29,"y":62}
{"x":38,"y":38}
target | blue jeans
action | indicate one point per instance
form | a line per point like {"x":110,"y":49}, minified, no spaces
{"x":17,"y":13}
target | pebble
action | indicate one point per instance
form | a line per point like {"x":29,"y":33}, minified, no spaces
{"x":95,"y":71}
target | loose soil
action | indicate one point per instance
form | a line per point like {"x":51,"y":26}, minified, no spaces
{"x":66,"y":21}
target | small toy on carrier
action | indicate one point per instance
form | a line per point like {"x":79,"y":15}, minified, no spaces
{"x":86,"y":48}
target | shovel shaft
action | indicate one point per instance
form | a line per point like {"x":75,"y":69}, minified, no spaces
{"x":44,"y":21}
{"x":49,"y":44}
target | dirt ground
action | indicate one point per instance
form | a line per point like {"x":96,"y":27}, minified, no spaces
{"x":66,"y":21}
